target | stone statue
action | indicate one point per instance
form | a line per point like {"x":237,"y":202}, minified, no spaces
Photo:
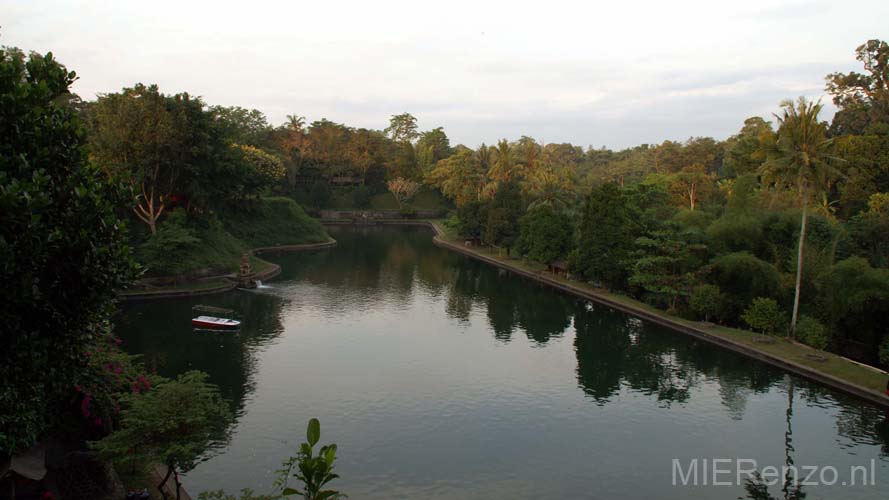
{"x":246,"y":276}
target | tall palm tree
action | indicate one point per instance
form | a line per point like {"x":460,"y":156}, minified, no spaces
{"x":799,"y":157}
{"x":484,"y":155}
{"x":504,"y":163}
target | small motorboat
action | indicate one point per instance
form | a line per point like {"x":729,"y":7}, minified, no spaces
{"x":213,"y":323}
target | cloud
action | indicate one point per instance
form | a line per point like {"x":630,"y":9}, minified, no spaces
{"x":592,"y":73}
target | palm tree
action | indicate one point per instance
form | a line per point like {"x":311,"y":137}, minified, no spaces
{"x":484,"y":155}
{"x":799,"y":157}
{"x":503,"y":165}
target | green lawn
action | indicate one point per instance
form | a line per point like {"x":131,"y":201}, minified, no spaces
{"x":425,"y":199}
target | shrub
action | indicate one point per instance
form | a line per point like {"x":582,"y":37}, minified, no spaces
{"x":810,"y":331}
{"x":319,"y":196}
{"x":706,"y":301}
{"x":743,"y":277}
{"x":407,"y":212}
{"x":693,"y":219}
{"x":166,"y":252}
{"x":735,"y":233}
{"x":765,"y":315}
{"x":854,"y":301}
{"x":361,"y":197}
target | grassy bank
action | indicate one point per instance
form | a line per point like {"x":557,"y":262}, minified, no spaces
{"x":425,"y":199}
{"x":782,"y":350}
{"x":186,"y":248}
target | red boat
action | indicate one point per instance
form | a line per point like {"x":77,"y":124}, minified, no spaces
{"x":212,"y":323}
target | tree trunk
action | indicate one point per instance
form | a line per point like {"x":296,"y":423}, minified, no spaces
{"x":799,"y":264}
{"x":160,"y":487}
{"x":178,"y":485}
{"x":149,"y":213}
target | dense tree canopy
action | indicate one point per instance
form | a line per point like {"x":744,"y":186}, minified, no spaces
{"x":62,"y":247}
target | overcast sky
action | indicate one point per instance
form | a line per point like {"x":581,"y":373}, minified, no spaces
{"x":615,"y":73}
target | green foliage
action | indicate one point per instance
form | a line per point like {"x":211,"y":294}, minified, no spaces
{"x":665,"y":264}
{"x":742,"y":196}
{"x":545,"y":234}
{"x":862,"y":98}
{"x":361,"y":197}
{"x":854,"y":301}
{"x":473,"y":215}
{"x":501,"y":228}
{"x":62,"y":249}
{"x":736,"y":233}
{"x":173,"y":423}
{"x":743,"y":277}
{"x":407,"y":212}
{"x":461,"y":176}
{"x":313,"y":471}
{"x":744,"y":152}
{"x":870,"y":232}
{"x":204,"y":245}
{"x":319,"y":196}
{"x":693,"y":220}
{"x":607,"y":235}
{"x":189,"y":245}
{"x":706,"y":301}
{"x":402,"y":128}
{"x":765,"y":315}
{"x":169,"y":148}
{"x":432,"y":146}
{"x":266,"y":166}
{"x":242,"y":126}
{"x":272,"y":221}
{"x":103,"y":386}
{"x":810,"y":331}
{"x":166,"y":251}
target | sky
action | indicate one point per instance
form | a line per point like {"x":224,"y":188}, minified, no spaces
{"x":614,"y":73}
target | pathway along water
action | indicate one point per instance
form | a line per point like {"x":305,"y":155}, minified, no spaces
{"x":443,"y":377}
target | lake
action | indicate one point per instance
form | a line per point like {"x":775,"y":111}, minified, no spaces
{"x":442,"y":377}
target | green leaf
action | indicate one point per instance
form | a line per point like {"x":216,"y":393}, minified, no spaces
{"x":330,"y":456}
{"x":313,"y":433}
{"x":290,"y":491}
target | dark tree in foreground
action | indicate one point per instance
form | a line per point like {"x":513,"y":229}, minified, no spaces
{"x":62,"y":250}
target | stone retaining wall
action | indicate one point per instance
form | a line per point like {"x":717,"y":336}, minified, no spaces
{"x":231,"y":279}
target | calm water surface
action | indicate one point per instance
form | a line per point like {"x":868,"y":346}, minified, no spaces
{"x":441,"y":377}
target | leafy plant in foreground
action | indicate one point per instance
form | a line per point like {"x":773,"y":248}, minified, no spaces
{"x":314,"y":471}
